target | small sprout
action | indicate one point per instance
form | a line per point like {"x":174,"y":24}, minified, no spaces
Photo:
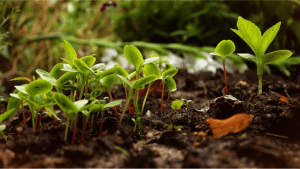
{"x":175,"y":106}
{"x":171,"y":127}
{"x":186,"y":102}
{"x":4,"y":116}
{"x":170,"y":72}
{"x":223,"y":49}
{"x":108,"y":81}
{"x":253,"y":104}
{"x":121,"y":149}
{"x":135,"y":123}
{"x":171,"y":84}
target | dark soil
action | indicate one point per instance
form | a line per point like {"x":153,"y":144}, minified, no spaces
{"x":259,"y":145}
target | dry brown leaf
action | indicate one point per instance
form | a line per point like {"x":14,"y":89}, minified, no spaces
{"x":233,"y":124}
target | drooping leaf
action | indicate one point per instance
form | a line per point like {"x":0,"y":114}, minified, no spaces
{"x":94,"y":108}
{"x":133,"y":56}
{"x":65,"y":103}
{"x":250,"y":33}
{"x":112,"y":104}
{"x":248,"y":56}
{"x":46,"y":76}
{"x":81,"y":65}
{"x":70,"y":52}
{"x":89,"y":60}
{"x":131,"y":75}
{"x":171,"y":84}
{"x":116,"y":69}
{"x":80,"y":103}
{"x":65,"y":78}
{"x":56,"y":70}
{"x":6,"y":114}
{"x":275,"y":56}
{"x":143,"y":81}
{"x":68,"y":68}
{"x":22,"y":89}
{"x":98,"y":66}
{"x":109,"y":80}
{"x":150,"y":60}
{"x":38,"y":87}
{"x":170,"y":72}
{"x":124,"y":79}
{"x":67,"y":61}
{"x":152,"y":69}
{"x":225,"y":48}
{"x":21,"y":78}
{"x":268,"y":37}
{"x":13,"y":102}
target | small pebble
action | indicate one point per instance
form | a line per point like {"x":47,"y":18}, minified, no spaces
{"x":148,"y":114}
{"x":149,"y":135}
{"x":179,"y":130}
{"x":243,"y":83}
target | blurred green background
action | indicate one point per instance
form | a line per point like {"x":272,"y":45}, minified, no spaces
{"x":31,"y":32}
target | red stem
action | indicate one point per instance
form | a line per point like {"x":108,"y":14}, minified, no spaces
{"x":74,"y":132}
{"x":162,"y":97}
{"x":81,"y":138}
{"x":168,"y":101}
{"x":117,"y":114}
{"x":100,"y":133}
{"x":36,"y":122}
{"x":226,"y":90}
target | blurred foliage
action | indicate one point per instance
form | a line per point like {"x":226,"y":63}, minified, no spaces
{"x":31,"y":31}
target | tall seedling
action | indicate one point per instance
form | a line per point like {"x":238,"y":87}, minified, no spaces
{"x":171,"y":84}
{"x":108,"y":81}
{"x":170,"y":72}
{"x":251,"y":34}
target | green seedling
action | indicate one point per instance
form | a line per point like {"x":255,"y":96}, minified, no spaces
{"x":108,"y":81}
{"x":223,"y":49}
{"x":135,"y":123}
{"x":121,"y":149}
{"x":72,"y":110}
{"x":150,"y":69}
{"x":175,"y":106}
{"x":251,"y":34}
{"x":102,"y":108}
{"x":170,"y":82}
{"x":170,"y":72}
{"x":171,"y":126}
{"x":186,"y":102}
{"x":4,"y":116}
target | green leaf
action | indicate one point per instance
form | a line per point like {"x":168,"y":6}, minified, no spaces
{"x":2,"y":127}
{"x":124,"y":79}
{"x":38,"y":87}
{"x":150,"y":60}
{"x":6,"y":114}
{"x":143,"y":81}
{"x":15,"y":96}
{"x":68,"y":68}
{"x":89,"y":60}
{"x":112,"y":104}
{"x":67,"y":61}
{"x":21,"y":78}
{"x":95,"y":108}
{"x":170,"y":72}
{"x":250,"y":33}
{"x":81,"y":65}
{"x":86,"y":113}
{"x":65,"y":103}
{"x":133,"y":56}
{"x":98,"y":93}
{"x":276,"y":56}
{"x":65,"y":78}
{"x":69,"y":87}
{"x":56,"y":70}
{"x":80,"y":103}
{"x":15,"y":103}
{"x":248,"y":56}
{"x":22,"y":89}
{"x":46,"y":76}
{"x":177,"y":104}
{"x":70,"y":52}
{"x":171,"y":84}
{"x":131,"y":75}
{"x":116,"y":69}
{"x":225,"y":48}
{"x":109,"y":80}
{"x":268,"y":37}
{"x":98,"y":66}
{"x":152,"y":69}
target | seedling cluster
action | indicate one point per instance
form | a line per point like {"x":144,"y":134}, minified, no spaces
{"x":77,"y":74}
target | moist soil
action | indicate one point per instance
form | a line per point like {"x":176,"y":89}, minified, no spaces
{"x":271,"y":140}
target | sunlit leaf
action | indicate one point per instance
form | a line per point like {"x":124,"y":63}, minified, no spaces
{"x":112,"y":104}
{"x":133,"y":56}
{"x":276,"y":56}
{"x":65,"y":103}
{"x":38,"y":87}
{"x":56,"y":70}
{"x":70,"y":52}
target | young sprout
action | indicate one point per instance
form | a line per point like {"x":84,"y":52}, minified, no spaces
{"x":223,"y":49}
{"x":170,"y":72}
{"x":135,"y":123}
{"x":176,"y":106}
{"x":108,"y":81}
{"x":251,"y":34}
{"x":186,"y":102}
{"x":170,"y":82}
{"x":150,"y":69}
{"x":171,"y":126}
{"x":4,"y":116}
{"x":94,"y":108}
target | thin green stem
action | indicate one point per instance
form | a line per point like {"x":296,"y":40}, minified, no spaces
{"x":148,"y":90}
{"x":86,"y":87}
{"x":226,"y":90}
{"x":127,"y":103}
{"x":67,"y":127}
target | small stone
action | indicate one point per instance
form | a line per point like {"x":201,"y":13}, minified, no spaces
{"x":148,"y":114}
{"x":149,"y":135}
{"x":179,"y":130}
{"x":243,"y":83}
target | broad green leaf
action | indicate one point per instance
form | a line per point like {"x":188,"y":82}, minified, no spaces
{"x":13,"y":102}
{"x":177,"y":104}
{"x":250,"y":33}
{"x":65,"y":103}
{"x":170,"y":72}
{"x":133,"y":56}
{"x":81,"y":65}
{"x":268,"y":37}
{"x":116,"y":69}
{"x":21,"y":89}
{"x":86,"y":113}
{"x":152,"y":69}
{"x":15,"y":96}
{"x":225,"y":48}
{"x":171,"y":84}
{"x":70,"y":52}
{"x":98,"y":66}
{"x":89,"y":60}
{"x":248,"y":56}
{"x":275,"y":56}
{"x":6,"y":114}
{"x":21,"y":78}
{"x":124,"y":79}
{"x":150,"y":60}
{"x":79,"y":104}
{"x":56,"y":70}
{"x":68,"y":68}
{"x":46,"y":76}
{"x":141,"y":87}
{"x":94,"y":108}
{"x":112,"y":104}
{"x":98,"y":93}
{"x":143,"y":81}
{"x":50,"y":111}
{"x":38,"y":87}
{"x":109,"y":80}
{"x":65,"y":78}
{"x":295,"y":60}
{"x":67,"y":61}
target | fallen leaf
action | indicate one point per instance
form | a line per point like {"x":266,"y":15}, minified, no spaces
{"x":282,"y":99}
{"x":233,"y":124}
